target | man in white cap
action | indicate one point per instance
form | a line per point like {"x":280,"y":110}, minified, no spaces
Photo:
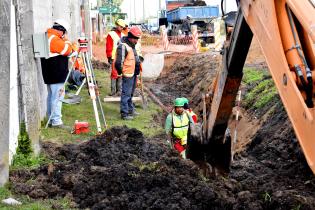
{"x":55,"y":69}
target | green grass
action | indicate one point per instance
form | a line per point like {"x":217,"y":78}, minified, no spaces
{"x":21,"y":161}
{"x":263,"y":90}
{"x":252,"y":75}
{"x":29,"y":204}
{"x":84,"y":112}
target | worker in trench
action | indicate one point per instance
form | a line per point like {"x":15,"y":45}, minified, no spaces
{"x":55,"y":69}
{"x":127,"y":63}
{"x":112,"y":41}
{"x":177,"y":126}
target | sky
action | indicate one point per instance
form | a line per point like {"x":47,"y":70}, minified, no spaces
{"x":152,"y":7}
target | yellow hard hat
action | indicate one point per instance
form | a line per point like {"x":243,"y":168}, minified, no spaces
{"x":120,"y":22}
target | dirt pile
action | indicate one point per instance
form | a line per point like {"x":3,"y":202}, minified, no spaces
{"x":124,"y":170}
{"x":272,"y":170}
{"x":120,"y":170}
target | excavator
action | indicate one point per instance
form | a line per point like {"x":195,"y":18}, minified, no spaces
{"x":285,"y":30}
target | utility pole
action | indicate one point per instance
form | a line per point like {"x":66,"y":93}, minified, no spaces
{"x":135,"y":12}
{"x":143,"y":7}
{"x":87,"y":24}
{"x":100,"y":20}
{"x":5,"y":17}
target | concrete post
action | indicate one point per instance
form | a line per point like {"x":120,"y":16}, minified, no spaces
{"x":87,"y":24}
{"x":28,"y":71}
{"x":5,"y":8}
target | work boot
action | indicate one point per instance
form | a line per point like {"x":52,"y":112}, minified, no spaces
{"x":118,"y":85}
{"x":112,"y":87}
{"x":128,"y":117}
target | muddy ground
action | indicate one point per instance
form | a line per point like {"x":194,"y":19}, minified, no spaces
{"x":125,"y":170}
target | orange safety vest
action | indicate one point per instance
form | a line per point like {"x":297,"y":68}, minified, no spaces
{"x":57,"y":45}
{"x":129,"y":64}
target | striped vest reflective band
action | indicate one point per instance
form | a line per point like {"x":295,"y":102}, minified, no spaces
{"x":116,"y":41}
{"x":180,"y":127}
{"x":129,"y":62}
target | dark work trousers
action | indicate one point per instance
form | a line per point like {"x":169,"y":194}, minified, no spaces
{"x":126,"y":105}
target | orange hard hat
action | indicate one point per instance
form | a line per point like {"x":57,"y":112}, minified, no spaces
{"x":135,"y":31}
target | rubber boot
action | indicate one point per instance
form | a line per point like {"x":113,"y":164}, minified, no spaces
{"x":118,"y":86}
{"x":112,"y":87}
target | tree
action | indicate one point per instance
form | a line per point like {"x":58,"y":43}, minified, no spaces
{"x":112,"y":2}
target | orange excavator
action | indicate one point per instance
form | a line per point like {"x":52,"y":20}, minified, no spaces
{"x":285,"y":30}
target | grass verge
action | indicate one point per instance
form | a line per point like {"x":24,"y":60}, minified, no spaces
{"x":261,"y":88}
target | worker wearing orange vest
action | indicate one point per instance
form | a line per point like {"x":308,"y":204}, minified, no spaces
{"x":112,"y":41}
{"x":127,"y":63}
{"x":55,"y":69}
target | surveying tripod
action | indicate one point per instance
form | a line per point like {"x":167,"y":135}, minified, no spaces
{"x":91,"y":83}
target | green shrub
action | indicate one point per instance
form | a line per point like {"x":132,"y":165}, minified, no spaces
{"x":24,"y":142}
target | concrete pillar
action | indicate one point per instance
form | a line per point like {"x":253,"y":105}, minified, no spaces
{"x":5,"y":8}
{"x":28,"y":71}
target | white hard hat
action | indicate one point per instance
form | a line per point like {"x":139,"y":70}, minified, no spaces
{"x":63,"y":23}
{"x":189,"y":16}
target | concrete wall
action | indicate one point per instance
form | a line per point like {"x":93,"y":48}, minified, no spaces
{"x":14,"y":103}
{"x":70,"y":11}
{"x":5,"y":88}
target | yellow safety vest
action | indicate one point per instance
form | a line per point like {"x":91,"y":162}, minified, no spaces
{"x":180,"y":127}
{"x":116,"y":40}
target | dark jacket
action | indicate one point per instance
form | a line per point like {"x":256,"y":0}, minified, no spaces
{"x":121,"y":54}
{"x":55,"y":69}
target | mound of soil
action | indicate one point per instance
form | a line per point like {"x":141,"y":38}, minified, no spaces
{"x":120,"y":170}
{"x":124,"y":170}
{"x":272,"y":171}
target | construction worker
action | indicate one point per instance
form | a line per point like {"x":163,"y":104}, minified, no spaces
{"x":186,"y":25}
{"x":177,"y":127}
{"x":55,"y":69}
{"x":127,"y":62}
{"x":190,"y":112}
{"x":112,"y":41}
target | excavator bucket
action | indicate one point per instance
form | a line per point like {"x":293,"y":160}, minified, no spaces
{"x":217,"y":154}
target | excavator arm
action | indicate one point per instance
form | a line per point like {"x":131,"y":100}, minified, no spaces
{"x":285,"y":30}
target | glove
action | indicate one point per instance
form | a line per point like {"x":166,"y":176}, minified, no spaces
{"x":110,"y":60}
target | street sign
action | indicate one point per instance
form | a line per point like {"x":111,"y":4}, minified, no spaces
{"x":108,"y":10}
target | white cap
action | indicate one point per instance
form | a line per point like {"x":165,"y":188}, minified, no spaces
{"x":63,"y":23}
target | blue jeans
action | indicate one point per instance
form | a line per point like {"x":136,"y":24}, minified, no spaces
{"x":126,"y":105}
{"x":55,"y":94}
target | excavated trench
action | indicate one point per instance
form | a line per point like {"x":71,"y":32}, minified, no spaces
{"x":122,"y":169}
